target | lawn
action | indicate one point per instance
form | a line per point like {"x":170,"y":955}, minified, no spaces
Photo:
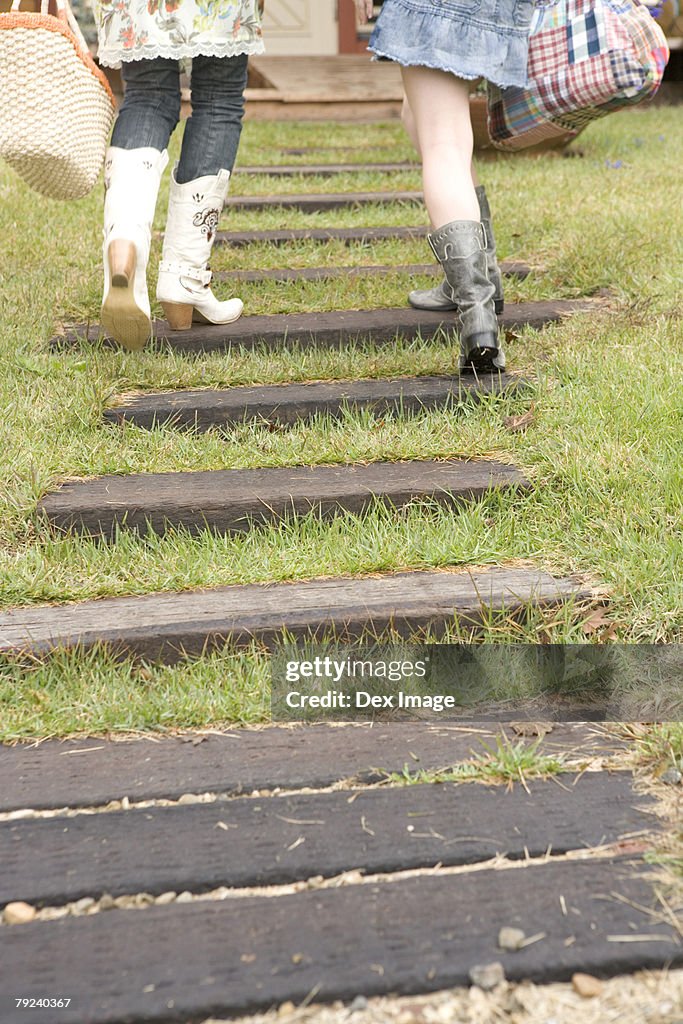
{"x":603,"y":449}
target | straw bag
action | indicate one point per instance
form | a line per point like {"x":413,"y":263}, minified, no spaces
{"x":56,"y":107}
{"x":586,"y":59}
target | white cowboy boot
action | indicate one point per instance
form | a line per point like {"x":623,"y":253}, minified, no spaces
{"x":194,"y":209}
{"x":131,"y":181}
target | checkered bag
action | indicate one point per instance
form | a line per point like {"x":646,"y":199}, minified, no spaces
{"x":586,"y":59}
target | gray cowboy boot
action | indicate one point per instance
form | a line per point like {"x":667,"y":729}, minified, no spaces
{"x":441,"y":297}
{"x":460,"y":248}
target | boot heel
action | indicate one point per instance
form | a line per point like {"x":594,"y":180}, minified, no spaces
{"x":122,"y":259}
{"x":178,"y":314}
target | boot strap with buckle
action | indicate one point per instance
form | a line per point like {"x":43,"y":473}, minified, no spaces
{"x":200,"y":274}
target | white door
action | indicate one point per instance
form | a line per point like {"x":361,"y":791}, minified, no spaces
{"x":301,"y":27}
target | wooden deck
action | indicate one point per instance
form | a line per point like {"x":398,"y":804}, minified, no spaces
{"x":348,"y":88}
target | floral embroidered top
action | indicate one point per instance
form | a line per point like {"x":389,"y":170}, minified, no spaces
{"x":143,"y":29}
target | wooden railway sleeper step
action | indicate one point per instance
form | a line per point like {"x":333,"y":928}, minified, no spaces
{"x":390,"y":829}
{"x":286,"y":404}
{"x":282,"y":236}
{"x":510,"y":269}
{"x":79,"y":773}
{"x":237,"y":500}
{"x":169,"y":626}
{"x":328,"y":170}
{"x":335,"y":329}
{"x":322,"y":202}
{"x":422,"y":934}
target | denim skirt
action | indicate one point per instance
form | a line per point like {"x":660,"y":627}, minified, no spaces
{"x":469,"y":38}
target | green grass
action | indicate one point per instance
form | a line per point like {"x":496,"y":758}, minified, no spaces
{"x":603,"y":451}
{"x":661,"y":747}
{"x":506,"y":762}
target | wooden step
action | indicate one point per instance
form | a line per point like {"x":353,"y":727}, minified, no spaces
{"x":236,"y":956}
{"x":321,"y":202}
{"x":282,"y":236}
{"x":168,"y":625}
{"x":303,"y":150}
{"x":236,"y":500}
{"x":330,"y":330}
{"x":91,"y":772}
{"x":518,"y":270}
{"x":160,"y":849}
{"x":322,"y":148}
{"x":292,"y":403}
{"x":326,"y":170}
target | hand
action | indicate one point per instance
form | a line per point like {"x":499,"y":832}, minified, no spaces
{"x":364,"y":10}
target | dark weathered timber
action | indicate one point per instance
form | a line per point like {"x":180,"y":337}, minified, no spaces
{"x":302,"y":150}
{"x":330,"y":330}
{"x":191,"y":961}
{"x":91,"y":772}
{"x":257,"y":841}
{"x":325,"y":170}
{"x":292,"y":403}
{"x":240,"y":239}
{"x":164,"y":626}
{"x":311,"y":203}
{"x":518,"y":270}
{"x":236,"y":500}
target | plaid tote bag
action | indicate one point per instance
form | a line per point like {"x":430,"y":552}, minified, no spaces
{"x":586,"y":59}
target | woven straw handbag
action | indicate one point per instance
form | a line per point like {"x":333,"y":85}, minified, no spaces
{"x":56,"y":107}
{"x":586,"y":59}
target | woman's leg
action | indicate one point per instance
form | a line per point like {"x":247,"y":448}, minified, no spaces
{"x":440,"y":298}
{"x":408,"y":119}
{"x":212,"y":133}
{"x":151,"y":104}
{"x":440,"y":105}
{"x":198,"y":189}
{"x":133,"y":167}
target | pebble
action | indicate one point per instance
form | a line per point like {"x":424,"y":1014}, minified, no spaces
{"x":510,"y":938}
{"x":107,"y":901}
{"x":586,"y":985}
{"x":359,"y":1003}
{"x":144,"y":899}
{"x":81,"y":907}
{"x":487,"y":976}
{"x":672,"y":776}
{"x":166,"y":897}
{"x":19,"y":913}
{"x":184,"y":897}
{"x":189,"y":798}
{"x":285,"y":1009}
{"x":53,"y":913}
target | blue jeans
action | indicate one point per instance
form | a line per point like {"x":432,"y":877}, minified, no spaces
{"x":150,"y":111}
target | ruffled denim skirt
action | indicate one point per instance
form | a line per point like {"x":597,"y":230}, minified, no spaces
{"x":470,"y":38}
